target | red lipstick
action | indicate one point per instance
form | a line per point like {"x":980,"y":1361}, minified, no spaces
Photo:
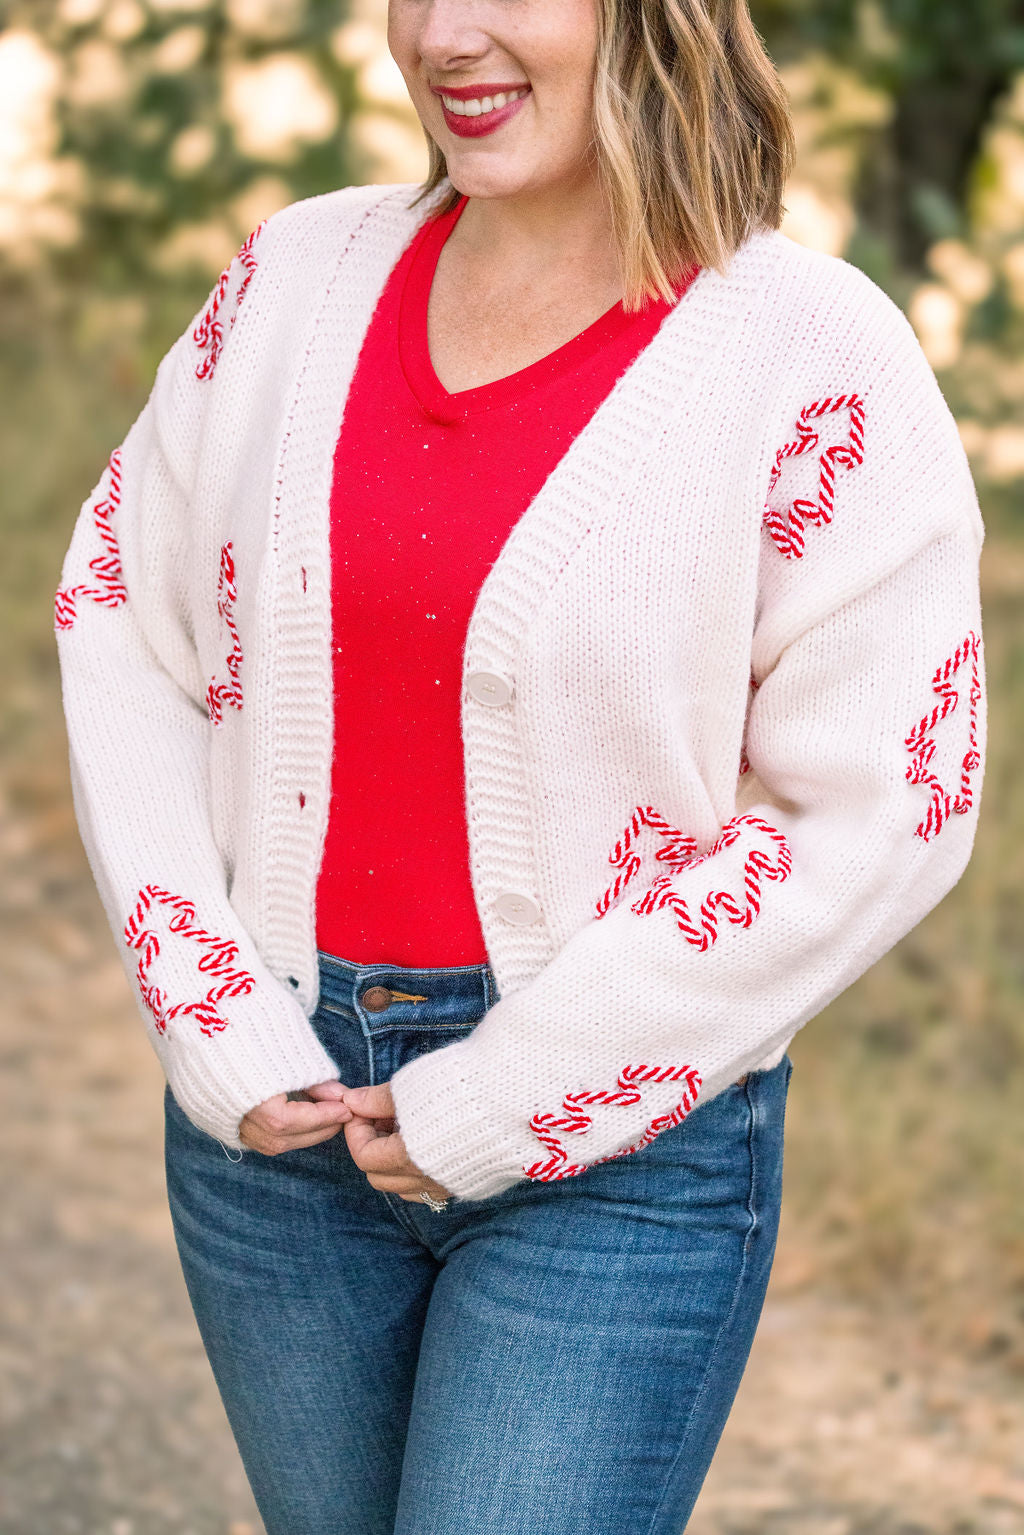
{"x":472,"y":127}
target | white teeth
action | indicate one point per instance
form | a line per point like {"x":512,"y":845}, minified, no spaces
{"x":478,"y":106}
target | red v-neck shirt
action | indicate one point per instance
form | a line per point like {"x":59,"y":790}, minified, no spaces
{"x":427,"y":487}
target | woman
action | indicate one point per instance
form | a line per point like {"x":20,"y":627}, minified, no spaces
{"x":521,"y":664}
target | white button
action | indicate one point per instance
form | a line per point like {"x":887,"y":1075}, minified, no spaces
{"x":512,"y":906}
{"x":489,"y":687}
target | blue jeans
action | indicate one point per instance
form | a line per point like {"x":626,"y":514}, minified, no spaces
{"x":557,"y":1359}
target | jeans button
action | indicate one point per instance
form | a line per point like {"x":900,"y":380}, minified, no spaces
{"x":376,"y":998}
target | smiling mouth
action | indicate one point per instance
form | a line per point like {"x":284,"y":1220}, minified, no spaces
{"x":481,"y":105}
{"x":476,"y":111}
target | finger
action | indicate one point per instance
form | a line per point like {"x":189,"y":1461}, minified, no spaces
{"x":397,"y":1183}
{"x":381,"y":1161}
{"x":420,"y":1186}
{"x":280,"y":1118}
{"x":281,"y":1110}
{"x":324,"y":1092}
{"x":371,"y":1102}
{"x":271,"y":1146}
{"x":410,"y":1189}
{"x":375,"y":1153}
{"x":359,"y":1133}
{"x":387,"y":1184}
{"x":428,"y":1185}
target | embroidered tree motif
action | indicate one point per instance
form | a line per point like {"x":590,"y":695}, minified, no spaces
{"x":786,"y":525}
{"x":219,"y":694}
{"x":209,"y":332}
{"x":108,"y":588}
{"x":921,"y":741}
{"x":217,"y":962}
{"x":573,"y":1119}
{"x":676,"y":852}
{"x":741,"y":910}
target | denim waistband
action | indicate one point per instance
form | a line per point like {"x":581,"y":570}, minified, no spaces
{"x":405,"y":994}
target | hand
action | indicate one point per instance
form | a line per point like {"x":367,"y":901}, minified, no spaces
{"x":284,"y":1123}
{"x":376,"y":1144}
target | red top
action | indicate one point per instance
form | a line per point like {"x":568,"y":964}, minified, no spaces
{"x":427,"y":487}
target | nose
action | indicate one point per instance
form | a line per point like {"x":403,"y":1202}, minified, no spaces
{"x":447,"y":35}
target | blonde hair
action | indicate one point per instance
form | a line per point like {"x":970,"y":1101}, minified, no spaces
{"x":692,"y":132}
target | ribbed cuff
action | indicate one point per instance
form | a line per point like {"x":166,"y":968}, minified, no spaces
{"x":446,"y":1132}
{"x":217,"y":1080}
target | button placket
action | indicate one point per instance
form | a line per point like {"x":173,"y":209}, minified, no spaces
{"x":517,"y":908}
{"x":492,"y":688}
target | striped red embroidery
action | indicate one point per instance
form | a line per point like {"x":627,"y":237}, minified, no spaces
{"x":218,"y":961}
{"x":221,"y":694}
{"x":921,"y":741}
{"x":677,"y":850}
{"x":680,"y":853}
{"x":209,"y":332}
{"x":786,"y":525}
{"x":742,"y":911}
{"x":574,"y":1120}
{"x":109,"y":589}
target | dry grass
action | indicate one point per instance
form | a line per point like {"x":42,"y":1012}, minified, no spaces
{"x":906,"y":1158}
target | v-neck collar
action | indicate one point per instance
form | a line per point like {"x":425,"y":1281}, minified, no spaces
{"x":414,"y":348}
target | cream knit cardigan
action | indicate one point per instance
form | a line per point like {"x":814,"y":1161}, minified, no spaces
{"x":722,"y":721}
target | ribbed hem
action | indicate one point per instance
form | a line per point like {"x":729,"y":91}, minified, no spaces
{"x":445,"y":1131}
{"x":216,"y":1087}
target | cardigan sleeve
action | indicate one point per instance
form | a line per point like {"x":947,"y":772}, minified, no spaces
{"x":139,"y":717}
{"x":855,"y":817}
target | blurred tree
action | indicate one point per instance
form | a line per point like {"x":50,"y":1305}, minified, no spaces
{"x":944,"y":64}
{"x":169,"y":110}
{"x":172,"y":109}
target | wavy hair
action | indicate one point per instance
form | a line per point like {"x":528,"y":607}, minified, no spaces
{"x":692,"y":132}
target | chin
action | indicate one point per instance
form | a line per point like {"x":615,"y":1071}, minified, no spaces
{"x":473,"y":178}
{"x":483,"y":186}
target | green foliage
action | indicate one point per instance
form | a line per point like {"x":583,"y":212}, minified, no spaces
{"x":126,"y":101}
{"x":895,"y":41}
{"x":944,"y":65}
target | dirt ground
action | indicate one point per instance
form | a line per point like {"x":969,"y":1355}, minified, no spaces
{"x":847,"y":1423}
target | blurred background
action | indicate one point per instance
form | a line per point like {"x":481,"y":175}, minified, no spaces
{"x":140,"y":141}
